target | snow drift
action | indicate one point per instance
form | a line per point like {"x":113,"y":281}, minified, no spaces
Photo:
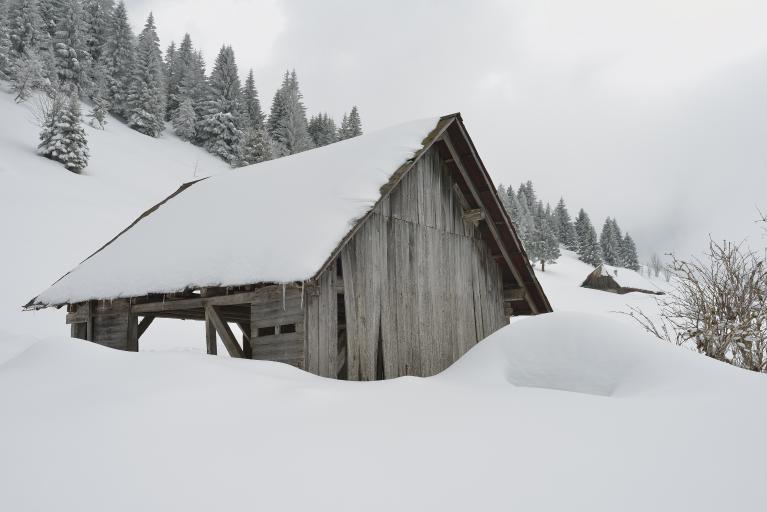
{"x":650,"y":427}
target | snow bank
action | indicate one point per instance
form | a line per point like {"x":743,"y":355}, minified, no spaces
{"x":87,"y":428}
{"x":276,"y":221}
{"x":586,"y":353}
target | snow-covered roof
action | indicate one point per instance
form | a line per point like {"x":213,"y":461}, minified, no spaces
{"x":277,"y":221}
{"x":627,"y":278}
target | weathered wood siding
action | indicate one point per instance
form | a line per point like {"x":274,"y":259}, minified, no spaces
{"x":420,"y":287}
{"x":107,"y":323}
{"x":274,"y":313}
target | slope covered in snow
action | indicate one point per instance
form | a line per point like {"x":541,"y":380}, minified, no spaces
{"x":560,"y":412}
{"x":53,"y":219}
{"x":562,"y":284}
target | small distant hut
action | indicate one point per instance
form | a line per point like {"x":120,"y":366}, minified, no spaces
{"x":384,"y":255}
{"x":619,"y":280}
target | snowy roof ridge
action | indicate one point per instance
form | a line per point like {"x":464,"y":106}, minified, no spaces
{"x":362,"y":171}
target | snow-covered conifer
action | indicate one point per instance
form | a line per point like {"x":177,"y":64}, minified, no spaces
{"x":25,"y":28}
{"x":351,"y":125}
{"x":119,"y":57}
{"x":184,"y":120}
{"x":589,"y":249}
{"x":322,"y":128}
{"x":256,"y":146}
{"x":287,"y":123}
{"x":253,"y":117}
{"x":611,"y":243}
{"x":146,"y":95}
{"x":629,"y":256}
{"x":220,"y":129}
{"x":178,"y":62}
{"x":69,"y":50}
{"x":548,"y":245}
{"x":5,"y":41}
{"x":564,"y":226}
{"x":62,"y":137}
{"x":97,"y":18}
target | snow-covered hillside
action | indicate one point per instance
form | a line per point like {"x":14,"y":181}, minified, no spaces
{"x":53,"y":219}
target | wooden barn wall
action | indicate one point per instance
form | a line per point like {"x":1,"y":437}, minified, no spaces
{"x":420,"y":287}
{"x":274,"y":311}
{"x":112,"y":325}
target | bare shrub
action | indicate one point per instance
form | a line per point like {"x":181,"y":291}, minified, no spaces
{"x":655,"y":265}
{"x":717,"y":305}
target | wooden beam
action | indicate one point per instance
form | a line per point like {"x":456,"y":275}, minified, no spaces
{"x":223,"y":330}
{"x":144,"y":325}
{"x":201,"y":302}
{"x":514,"y":294}
{"x":478,"y":200}
{"x":247,"y":344}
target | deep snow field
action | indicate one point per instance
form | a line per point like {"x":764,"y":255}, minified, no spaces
{"x":576,"y":410}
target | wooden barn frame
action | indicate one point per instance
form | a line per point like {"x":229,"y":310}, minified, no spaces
{"x":433,"y":268}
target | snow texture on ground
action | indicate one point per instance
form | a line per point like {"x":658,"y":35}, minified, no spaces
{"x":566,"y":411}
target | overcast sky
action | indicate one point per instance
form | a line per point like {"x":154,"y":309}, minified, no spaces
{"x":653,"y":111}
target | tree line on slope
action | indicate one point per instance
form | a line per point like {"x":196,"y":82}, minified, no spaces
{"x":542,"y":229}
{"x":73,"y":49}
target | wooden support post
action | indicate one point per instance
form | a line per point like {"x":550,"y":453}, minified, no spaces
{"x":144,"y":325}
{"x":210,"y":334}
{"x":247,"y":344}
{"x":224,"y":331}
{"x":132,"y":335}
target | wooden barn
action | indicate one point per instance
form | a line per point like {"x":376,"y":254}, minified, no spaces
{"x":380,"y":256}
{"x":619,"y":280}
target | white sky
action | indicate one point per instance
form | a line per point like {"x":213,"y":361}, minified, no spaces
{"x":654,"y":111}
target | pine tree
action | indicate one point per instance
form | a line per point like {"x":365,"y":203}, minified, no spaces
{"x":322,"y":129}
{"x":97,"y":18}
{"x":287,"y":123}
{"x":220,"y":129}
{"x":252,"y":115}
{"x":146,"y":96}
{"x":611,"y":243}
{"x":617,"y":242}
{"x":548,"y":245}
{"x":184,"y":120}
{"x":5,"y":42}
{"x":351,"y":125}
{"x":62,"y":137}
{"x":629,"y":256}
{"x":525,"y":222}
{"x":589,"y":249}
{"x":25,"y":28}
{"x":98,"y":91}
{"x":194,"y":84}
{"x":178,"y":63}
{"x":564,"y":226}
{"x":71,"y":57}
{"x":256,"y":147}
{"x":119,"y":57}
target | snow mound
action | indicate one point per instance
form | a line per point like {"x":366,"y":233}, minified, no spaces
{"x":584,"y":353}
{"x":80,"y":420}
